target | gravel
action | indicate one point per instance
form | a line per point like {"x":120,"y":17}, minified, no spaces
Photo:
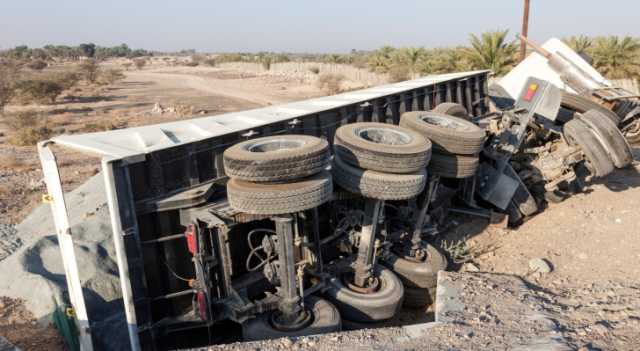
{"x":31,"y":253}
{"x":10,"y":242}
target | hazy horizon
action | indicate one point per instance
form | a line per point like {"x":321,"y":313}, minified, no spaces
{"x":294,"y":26}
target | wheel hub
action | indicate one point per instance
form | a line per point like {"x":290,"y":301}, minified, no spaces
{"x":372,"y":285}
{"x":444,"y":122}
{"x":280,"y":322}
{"x":384,"y":136}
{"x":274,"y":145}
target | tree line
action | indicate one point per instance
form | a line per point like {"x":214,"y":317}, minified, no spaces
{"x":65,"y":52}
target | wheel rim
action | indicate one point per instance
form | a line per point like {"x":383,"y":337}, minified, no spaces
{"x":443,"y":122}
{"x":385,"y":136}
{"x":274,"y":145}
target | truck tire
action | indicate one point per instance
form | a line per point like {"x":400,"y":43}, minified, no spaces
{"x":582,"y":104}
{"x":447,"y":133}
{"x":452,"y":109}
{"x":276,"y":158}
{"x":417,"y":274}
{"x":610,"y":137}
{"x":577,"y":133}
{"x":419,"y":297}
{"x":368,"y":307}
{"x":453,"y":166}
{"x":280,"y":198}
{"x":325,"y":319}
{"x":382,"y":147}
{"x":378,"y":185}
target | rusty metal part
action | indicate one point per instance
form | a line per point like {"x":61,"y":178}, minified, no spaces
{"x":279,"y":321}
{"x":366,"y":246}
{"x":422,"y":217}
{"x":289,"y":306}
{"x":371,"y":285}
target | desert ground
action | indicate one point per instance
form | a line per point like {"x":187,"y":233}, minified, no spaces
{"x":590,"y":240}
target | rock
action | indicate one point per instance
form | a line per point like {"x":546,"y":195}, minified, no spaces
{"x":5,"y":345}
{"x":157,"y":109}
{"x":540,"y":265}
{"x":470,"y":267}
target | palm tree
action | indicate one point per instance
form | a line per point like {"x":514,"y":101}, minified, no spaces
{"x":409,"y":57}
{"x":580,"y":44}
{"x":445,"y":60}
{"x":492,"y":51}
{"x":380,"y":60}
{"x":617,"y":58}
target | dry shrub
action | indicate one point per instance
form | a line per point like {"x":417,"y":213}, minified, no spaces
{"x":102,"y":126}
{"x":90,"y":69}
{"x":67,"y":79}
{"x":330,"y":83}
{"x":399,"y":73}
{"x":198,"y":58}
{"x":8,"y":73}
{"x":210,"y":62}
{"x":110,"y":76}
{"x":140,"y":63}
{"x":29,"y":136}
{"x":184,"y":110}
{"x":38,"y":90}
{"x":314,"y":69}
{"x":127,"y":65}
{"x":192,"y":63}
{"x":23,"y":119}
{"x":28,"y":127}
{"x":37,"y":65}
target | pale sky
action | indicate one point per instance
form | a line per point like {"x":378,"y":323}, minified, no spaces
{"x":299,"y":25}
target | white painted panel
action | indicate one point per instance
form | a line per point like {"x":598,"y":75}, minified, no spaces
{"x":535,"y":65}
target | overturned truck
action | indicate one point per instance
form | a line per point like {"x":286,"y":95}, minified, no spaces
{"x":196,"y":270}
{"x":316,"y":216}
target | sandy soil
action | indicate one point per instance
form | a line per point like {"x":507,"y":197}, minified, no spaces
{"x":18,"y":326}
{"x":128,"y":103}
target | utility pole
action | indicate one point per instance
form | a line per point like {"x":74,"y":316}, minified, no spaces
{"x":525,"y":30}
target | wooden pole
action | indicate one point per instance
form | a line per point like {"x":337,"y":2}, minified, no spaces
{"x":525,"y":30}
